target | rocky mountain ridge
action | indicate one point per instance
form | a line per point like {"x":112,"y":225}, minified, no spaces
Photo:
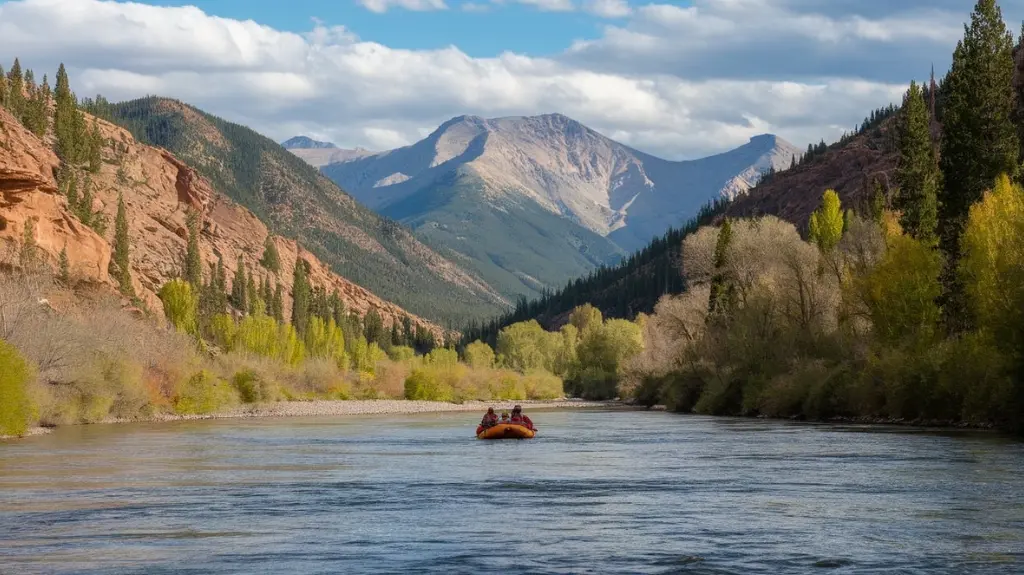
{"x":564,"y":167}
{"x":158,"y":188}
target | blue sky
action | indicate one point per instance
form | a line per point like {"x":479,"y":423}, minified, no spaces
{"x":675,"y":79}
{"x":512,"y":27}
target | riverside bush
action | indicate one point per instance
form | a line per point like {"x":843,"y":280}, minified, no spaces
{"x":16,"y":410}
{"x":204,"y":393}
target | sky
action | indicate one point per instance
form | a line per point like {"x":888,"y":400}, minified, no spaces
{"x":678,"y":79}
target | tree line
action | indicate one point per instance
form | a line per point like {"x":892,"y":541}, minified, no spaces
{"x":912,"y":309}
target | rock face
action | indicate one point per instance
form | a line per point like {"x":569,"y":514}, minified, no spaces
{"x":564,"y":167}
{"x":28,"y":192}
{"x":158,"y":189}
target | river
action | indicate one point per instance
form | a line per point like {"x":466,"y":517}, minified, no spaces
{"x":595,"y":492}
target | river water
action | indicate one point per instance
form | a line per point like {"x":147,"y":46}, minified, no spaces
{"x":595,"y":492}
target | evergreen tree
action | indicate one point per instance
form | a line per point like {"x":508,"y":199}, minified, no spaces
{"x":64,"y":268}
{"x":74,"y":202}
{"x":917,"y":173}
{"x":373,"y":328}
{"x":252,"y":295}
{"x":271,"y":259}
{"x":396,"y":334}
{"x":300,"y":297}
{"x":36,"y":113}
{"x":64,"y":125}
{"x":95,"y":148}
{"x":220,"y":284}
{"x":15,"y":90}
{"x":979,"y":139}
{"x":722,"y":292}
{"x":85,"y":207}
{"x":408,"y":332}
{"x":277,"y":308}
{"x":267,"y":295}
{"x":122,"y":265}
{"x":3,"y":88}
{"x":238,"y":294}
{"x":193,"y":262}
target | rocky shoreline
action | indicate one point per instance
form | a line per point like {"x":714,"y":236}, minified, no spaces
{"x":359,"y":407}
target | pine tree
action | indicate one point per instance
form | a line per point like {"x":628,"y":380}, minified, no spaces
{"x":3,"y":88}
{"x":396,"y":335}
{"x":74,"y":202}
{"x":300,"y":297}
{"x":193,"y":262}
{"x":95,"y":148}
{"x":65,"y":110}
{"x":277,"y":309}
{"x":917,"y":173}
{"x":252,"y":295}
{"x":267,"y":295}
{"x":271,"y":259}
{"x":979,"y":139}
{"x":722,"y":292}
{"x":64,"y":268}
{"x":220,"y":284}
{"x":408,"y":332}
{"x":122,"y":265}
{"x":238,"y":285}
{"x":15,"y":90}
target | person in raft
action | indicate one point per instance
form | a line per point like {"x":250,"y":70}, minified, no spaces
{"x":518,"y":417}
{"x":490,"y":419}
{"x":504,"y":417}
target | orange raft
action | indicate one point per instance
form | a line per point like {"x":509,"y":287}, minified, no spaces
{"x":505,"y":431}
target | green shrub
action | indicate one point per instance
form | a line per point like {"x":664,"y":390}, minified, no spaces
{"x":428,"y":385}
{"x":16,"y":411}
{"x":542,"y":385}
{"x":203,"y":393}
{"x":253,"y":387}
{"x":401,"y":353}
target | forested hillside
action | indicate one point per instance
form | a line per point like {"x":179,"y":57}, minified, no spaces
{"x":297,"y":202}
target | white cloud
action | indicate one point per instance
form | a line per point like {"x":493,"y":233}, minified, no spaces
{"x":543,"y":5}
{"x":381,"y":6}
{"x":608,"y":8}
{"x":676,"y":82}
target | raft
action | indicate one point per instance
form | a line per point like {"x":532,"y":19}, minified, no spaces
{"x":505,"y":431}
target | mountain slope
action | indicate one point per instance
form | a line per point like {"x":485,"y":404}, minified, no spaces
{"x":296,"y":201}
{"x":635,"y":285}
{"x":305,"y":143}
{"x":158,"y":189}
{"x":543,"y":251}
{"x":579,"y":190}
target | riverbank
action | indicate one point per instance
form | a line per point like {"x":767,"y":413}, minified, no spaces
{"x":359,"y":407}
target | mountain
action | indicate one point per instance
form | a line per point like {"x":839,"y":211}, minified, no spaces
{"x":296,"y":201}
{"x":535,"y":201}
{"x":158,"y":189}
{"x":318,"y":157}
{"x":305,"y":143}
{"x":634,"y":286}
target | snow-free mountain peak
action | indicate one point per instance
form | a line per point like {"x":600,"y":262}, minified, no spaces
{"x":531,"y":202}
{"x":565,"y":167}
{"x":305,"y":143}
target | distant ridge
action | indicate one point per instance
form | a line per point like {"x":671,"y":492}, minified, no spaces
{"x":305,"y":143}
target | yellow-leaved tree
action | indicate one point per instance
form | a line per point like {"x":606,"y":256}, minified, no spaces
{"x":992,"y":266}
{"x":826,"y":225}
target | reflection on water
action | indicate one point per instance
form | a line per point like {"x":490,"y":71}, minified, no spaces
{"x":596,"y":492}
